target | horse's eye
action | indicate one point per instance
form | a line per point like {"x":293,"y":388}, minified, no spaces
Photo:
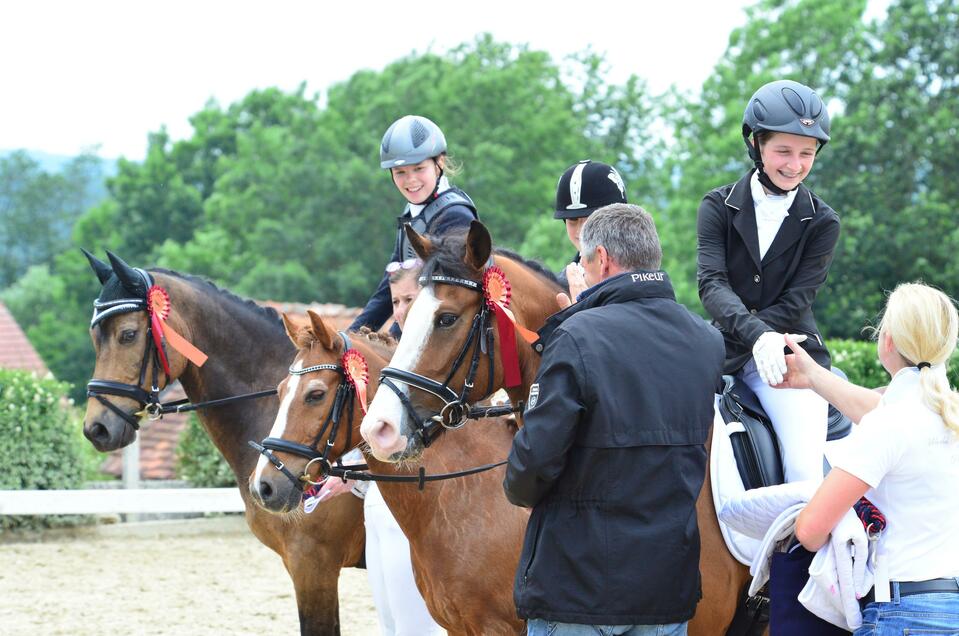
{"x":128,"y":336}
{"x":446,"y":320}
{"x":315,"y":396}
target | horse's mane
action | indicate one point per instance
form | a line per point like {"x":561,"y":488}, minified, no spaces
{"x":450,"y":249}
{"x":267,"y":313}
{"x":382,"y":343}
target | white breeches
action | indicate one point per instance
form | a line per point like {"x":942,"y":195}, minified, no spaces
{"x":799,"y":417}
{"x":400,"y":607}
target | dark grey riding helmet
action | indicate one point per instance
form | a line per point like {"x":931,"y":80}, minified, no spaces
{"x":410,"y":140}
{"x":587,"y":186}
{"x":785,"y":106}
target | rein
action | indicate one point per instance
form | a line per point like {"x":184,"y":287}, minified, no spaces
{"x":344,"y":401}
{"x":456,"y":410}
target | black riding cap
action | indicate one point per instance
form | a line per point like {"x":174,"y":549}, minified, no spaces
{"x":587,"y":186}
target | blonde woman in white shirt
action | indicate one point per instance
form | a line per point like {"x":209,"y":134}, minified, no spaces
{"x":904,"y":457}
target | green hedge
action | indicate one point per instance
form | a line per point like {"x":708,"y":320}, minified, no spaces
{"x":859,"y":360}
{"x":41,"y":443}
{"x":198,"y":460}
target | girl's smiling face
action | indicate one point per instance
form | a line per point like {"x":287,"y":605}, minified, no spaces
{"x":416,"y":182}
{"x":788,"y":158}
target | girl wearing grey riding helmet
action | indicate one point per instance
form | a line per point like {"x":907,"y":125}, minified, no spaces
{"x":585,"y":187}
{"x":765,"y":244}
{"x":414,"y":151}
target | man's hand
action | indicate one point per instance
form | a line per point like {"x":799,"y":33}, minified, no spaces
{"x":576,"y":278}
{"x":768,"y":352}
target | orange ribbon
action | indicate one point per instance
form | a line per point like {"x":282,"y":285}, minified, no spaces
{"x":158,"y":306}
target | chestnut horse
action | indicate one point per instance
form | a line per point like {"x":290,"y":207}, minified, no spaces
{"x":248,"y":352}
{"x":437,"y":331}
{"x":465,"y":538}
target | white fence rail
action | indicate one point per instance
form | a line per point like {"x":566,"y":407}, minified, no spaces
{"x":114,"y":501}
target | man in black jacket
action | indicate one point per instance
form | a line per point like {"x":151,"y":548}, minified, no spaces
{"x":612,"y":454}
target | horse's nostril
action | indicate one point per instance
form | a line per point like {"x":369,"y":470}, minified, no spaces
{"x":98,"y":433}
{"x":266,"y":491}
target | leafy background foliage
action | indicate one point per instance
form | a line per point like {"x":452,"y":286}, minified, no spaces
{"x":42,"y":445}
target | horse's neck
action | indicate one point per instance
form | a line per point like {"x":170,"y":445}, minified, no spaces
{"x":533,"y":301}
{"x":246,"y":354}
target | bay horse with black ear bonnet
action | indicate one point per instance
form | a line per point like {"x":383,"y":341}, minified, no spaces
{"x":462,"y":283}
{"x":150,"y":328}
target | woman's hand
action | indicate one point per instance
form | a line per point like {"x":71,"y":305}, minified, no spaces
{"x":334,"y":487}
{"x":800,"y":367}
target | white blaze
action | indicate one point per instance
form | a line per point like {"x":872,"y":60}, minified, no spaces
{"x":386,"y":406}
{"x":279,"y":424}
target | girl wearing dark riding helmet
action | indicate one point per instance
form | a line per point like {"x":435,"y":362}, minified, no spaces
{"x":585,"y":187}
{"x":765,"y":244}
{"x":414,"y":151}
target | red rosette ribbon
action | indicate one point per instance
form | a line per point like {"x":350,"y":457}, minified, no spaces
{"x":357,"y":373}
{"x":158,"y":307}
{"x":498,"y":292}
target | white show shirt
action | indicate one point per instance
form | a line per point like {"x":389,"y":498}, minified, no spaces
{"x":910,"y":460}
{"x":771,"y":210}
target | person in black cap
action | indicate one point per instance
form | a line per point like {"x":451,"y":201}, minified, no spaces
{"x":585,"y":187}
{"x":414,"y":151}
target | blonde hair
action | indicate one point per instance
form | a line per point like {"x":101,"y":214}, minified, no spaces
{"x":451,"y":167}
{"x":923,"y":324}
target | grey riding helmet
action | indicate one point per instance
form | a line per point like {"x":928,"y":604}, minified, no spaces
{"x":788,"y":107}
{"x":587,"y":186}
{"x":410,"y":140}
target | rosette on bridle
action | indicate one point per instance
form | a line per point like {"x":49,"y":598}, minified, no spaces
{"x":158,"y":307}
{"x":498,"y":293}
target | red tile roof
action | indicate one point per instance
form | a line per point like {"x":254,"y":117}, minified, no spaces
{"x":16,"y":352}
{"x":159,"y":438}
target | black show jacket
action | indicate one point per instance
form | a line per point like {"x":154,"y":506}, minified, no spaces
{"x":747,"y":296}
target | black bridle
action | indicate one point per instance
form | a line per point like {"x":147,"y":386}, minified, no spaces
{"x":456,"y":409}
{"x":149,"y":401}
{"x":343,"y":402}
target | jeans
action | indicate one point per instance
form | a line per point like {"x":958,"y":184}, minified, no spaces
{"x":935,"y":614}
{"x":540,"y":627}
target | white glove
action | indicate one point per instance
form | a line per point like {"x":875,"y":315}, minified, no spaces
{"x":770,"y":357}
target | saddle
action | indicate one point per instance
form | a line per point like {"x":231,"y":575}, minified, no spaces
{"x":756,"y":454}
{"x":753,"y":439}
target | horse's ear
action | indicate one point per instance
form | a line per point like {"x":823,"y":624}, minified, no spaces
{"x":479,"y":245}
{"x":129,"y":277}
{"x":291,"y":327}
{"x":422,"y":245}
{"x":101,"y":269}
{"x":323,"y":334}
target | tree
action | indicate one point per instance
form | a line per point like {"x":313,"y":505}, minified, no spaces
{"x":892,"y":168}
{"x":38,"y":209}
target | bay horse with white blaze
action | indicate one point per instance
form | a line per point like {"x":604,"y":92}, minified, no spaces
{"x":436,"y":334}
{"x":465,"y":538}
{"x":248,"y":352}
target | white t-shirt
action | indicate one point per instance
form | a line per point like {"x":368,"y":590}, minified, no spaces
{"x":910,"y":459}
{"x":771,"y":211}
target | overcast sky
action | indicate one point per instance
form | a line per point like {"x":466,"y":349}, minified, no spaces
{"x":79,"y":74}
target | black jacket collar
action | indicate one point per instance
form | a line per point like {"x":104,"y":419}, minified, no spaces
{"x":622,"y":288}
{"x":740,"y":200}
